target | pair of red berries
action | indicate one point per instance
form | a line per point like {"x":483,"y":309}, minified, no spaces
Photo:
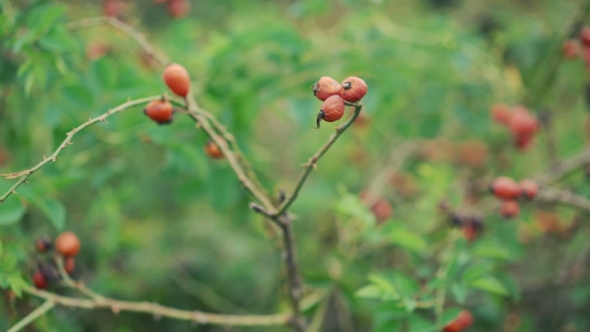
{"x":334,"y":95}
{"x":177,"y":79}
{"x":523,"y":125}
{"x":509,"y":191}
{"x":67,"y":244}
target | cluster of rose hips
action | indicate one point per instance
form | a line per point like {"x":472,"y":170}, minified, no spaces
{"x":572,"y":48}
{"x":460,"y":323}
{"x":161,"y":111}
{"x":335,"y":95}
{"x":67,"y":245}
{"x":509,"y":191}
{"x":523,"y":125}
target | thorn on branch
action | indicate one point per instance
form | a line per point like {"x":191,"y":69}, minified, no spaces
{"x":14,"y":192}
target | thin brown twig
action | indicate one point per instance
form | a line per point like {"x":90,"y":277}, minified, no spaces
{"x":563,"y":168}
{"x":554,"y":195}
{"x":158,"y":310}
{"x":125,"y":28}
{"x":311,"y":163}
{"x":23,"y":175}
{"x":204,"y":123}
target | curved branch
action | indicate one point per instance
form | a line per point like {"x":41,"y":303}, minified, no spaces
{"x":157,"y":310}
{"x":23,"y":175}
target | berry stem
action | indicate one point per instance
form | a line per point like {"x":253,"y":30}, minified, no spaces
{"x":315,"y":158}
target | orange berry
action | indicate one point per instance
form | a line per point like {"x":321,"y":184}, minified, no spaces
{"x":353,"y":89}
{"x":571,"y":49}
{"x":523,"y":123}
{"x":463,"y":321}
{"x":67,"y":244}
{"x":178,"y":8}
{"x":160,"y":111}
{"x":529,"y":188}
{"x":504,"y":187}
{"x":501,"y":113}
{"x":332,"y":109}
{"x":326,"y":87}
{"x":213,"y":150}
{"x":177,"y":79}
{"x":509,"y":209}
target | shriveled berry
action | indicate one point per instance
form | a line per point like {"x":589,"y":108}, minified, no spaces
{"x":160,"y":111}
{"x":326,"y":87}
{"x":509,"y":209}
{"x":332,"y":109}
{"x":524,"y":142}
{"x":353,"y":89}
{"x":39,"y":280}
{"x":69,"y":264}
{"x":469,"y":231}
{"x":529,"y":188}
{"x":213,"y":150}
{"x":522,"y":122}
{"x":501,"y":113}
{"x":461,"y":322}
{"x":43,"y":243}
{"x":177,"y":79}
{"x":67,"y":244}
{"x":504,"y":187}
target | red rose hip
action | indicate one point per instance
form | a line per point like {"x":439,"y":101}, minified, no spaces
{"x":39,"y":280}
{"x":504,"y":187}
{"x":326,"y":87}
{"x":353,"y":89}
{"x":509,"y":209}
{"x":177,"y":79}
{"x":67,"y":244}
{"x":463,"y":321}
{"x":213,"y":150}
{"x":529,"y":188}
{"x":332,"y":109}
{"x":160,"y":111}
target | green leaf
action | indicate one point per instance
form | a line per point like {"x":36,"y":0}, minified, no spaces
{"x":487,"y":249}
{"x":369,"y":292}
{"x":449,"y":315}
{"x":17,"y":284}
{"x":1,"y":248}
{"x":57,"y":40}
{"x":459,"y":292}
{"x":351,"y":205}
{"x":490,"y":284}
{"x":475,"y":271}
{"x":104,"y":72}
{"x":11,"y":211}
{"x":53,"y":210}
{"x":406,"y":285}
{"x":407,"y":239}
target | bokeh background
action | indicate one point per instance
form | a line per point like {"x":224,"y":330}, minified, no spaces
{"x":161,"y":221}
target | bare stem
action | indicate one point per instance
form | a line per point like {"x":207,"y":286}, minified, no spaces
{"x":203,"y":122}
{"x":124,"y":27}
{"x":563,"y":168}
{"x":295,"y":284}
{"x":554,"y":195}
{"x":23,"y":175}
{"x":48,"y":305}
{"x":158,"y":310}
{"x":311,"y":164}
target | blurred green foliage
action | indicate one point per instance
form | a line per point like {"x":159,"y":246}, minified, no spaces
{"x":160,"y":221}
